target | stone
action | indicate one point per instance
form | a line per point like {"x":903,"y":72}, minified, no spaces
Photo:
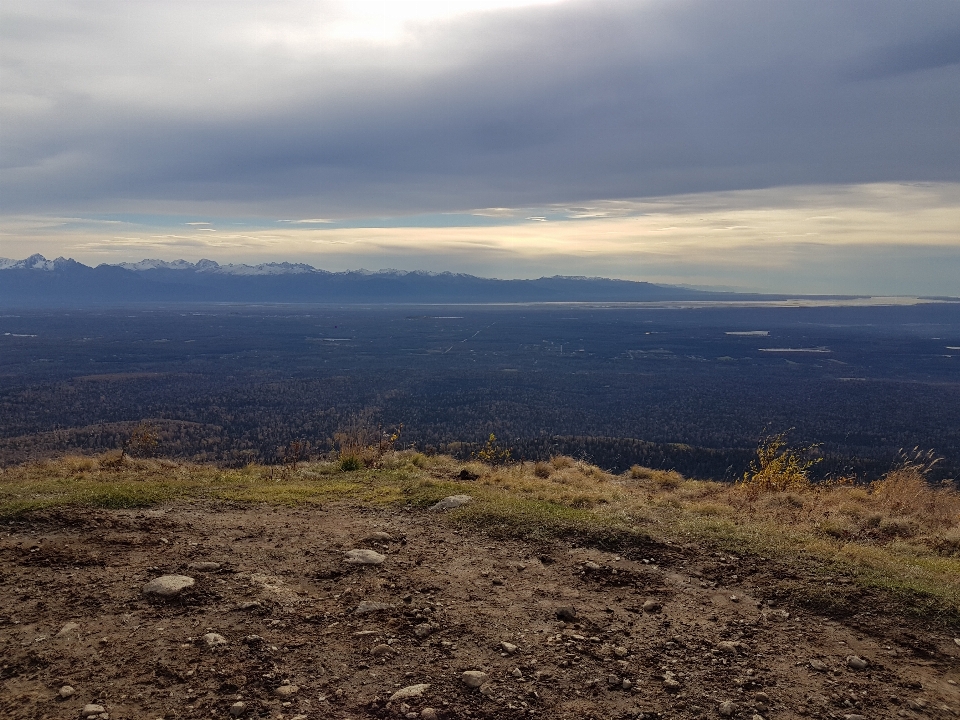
{"x":380,"y":536}
{"x":428,"y":714}
{"x":250,"y":605}
{"x":238,"y":709}
{"x":364,"y":557}
{"x":369,"y":606}
{"x":854,"y":717}
{"x":517,"y":673}
{"x":775,"y":615}
{"x":757,"y":716}
{"x":424,"y":630}
{"x":411,"y":691}
{"x":567,"y":614}
{"x":168,"y":586}
{"x":727,"y":708}
{"x":474,"y":678}
{"x":956,"y":641}
{"x":591,"y":566}
{"x":287,"y":691}
{"x":380,"y":650}
{"x":818,"y":665}
{"x":652,"y":606}
{"x":626,"y":684}
{"x":67,"y":629}
{"x":762,"y":698}
{"x":92,"y":710}
{"x":214,"y":640}
{"x":451,"y":502}
{"x":620,"y":651}
{"x":731,"y":647}
{"x":855,"y":662}
{"x":613,"y":680}
{"x":204,"y":566}
{"x":65,"y":692}
{"x":508,"y":648}
{"x":253,"y":640}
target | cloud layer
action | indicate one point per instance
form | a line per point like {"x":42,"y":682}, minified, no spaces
{"x":275,"y":109}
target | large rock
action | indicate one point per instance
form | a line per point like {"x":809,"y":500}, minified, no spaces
{"x":451,"y":502}
{"x":364,"y":557}
{"x":168,"y":586}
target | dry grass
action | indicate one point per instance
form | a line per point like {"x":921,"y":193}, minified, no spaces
{"x":899,"y":533}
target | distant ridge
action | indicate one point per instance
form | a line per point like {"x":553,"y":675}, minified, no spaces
{"x":37,"y":281}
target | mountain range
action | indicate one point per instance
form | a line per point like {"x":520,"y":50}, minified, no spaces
{"x":37,"y":281}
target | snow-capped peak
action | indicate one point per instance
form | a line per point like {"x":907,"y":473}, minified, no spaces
{"x":37,"y":262}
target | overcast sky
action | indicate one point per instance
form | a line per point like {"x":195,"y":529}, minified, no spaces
{"x":800,"y":145}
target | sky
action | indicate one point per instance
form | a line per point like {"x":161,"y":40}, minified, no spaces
{"x":792,"y":146}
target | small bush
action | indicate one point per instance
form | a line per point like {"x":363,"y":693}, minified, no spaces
{"x":351,"y":463}
{"x":492,"y":453}
{"x":778,"y":467}
{"x":561,"y":462}
{"x":542,"y":470}
{"x":897,"y":527}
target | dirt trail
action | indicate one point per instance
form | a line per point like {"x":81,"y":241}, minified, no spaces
{"x":296,"y":647}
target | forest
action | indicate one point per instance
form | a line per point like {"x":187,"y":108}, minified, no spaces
{"x":691,"y":387}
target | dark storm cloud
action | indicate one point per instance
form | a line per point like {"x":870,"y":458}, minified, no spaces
{"x":108,"y":108}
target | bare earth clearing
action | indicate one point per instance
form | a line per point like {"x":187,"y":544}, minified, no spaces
{"x":560,"y":631}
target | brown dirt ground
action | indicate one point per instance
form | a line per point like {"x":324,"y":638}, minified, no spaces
{"x":144,"y":658}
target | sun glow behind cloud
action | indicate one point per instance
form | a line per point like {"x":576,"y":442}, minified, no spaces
{"x":473,"y":136}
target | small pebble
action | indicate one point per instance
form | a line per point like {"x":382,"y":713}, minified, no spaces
{"x":428,"y":714}
{"x":238,"y":709}
{"x":364,"y":557}
{"x":65,"y":692}
{"x":508,"y":648}
{"x":818,"y":665}
{"x":368,"y":606}
{"x":214,"y":640}
{"x":474,"y":678}
{"x":652,"y":606}
{"x":451,"y":502}
{"x":67,"y":629}
{"x":205,"y":566}
{"x":727,"y":708}
{"x":91,"y":710}
{"x":567,"y":614}
{"x":287,"y":691}
{"x":411,"y":691}
{"x":168,"y":586}
{"x":854,"y":662}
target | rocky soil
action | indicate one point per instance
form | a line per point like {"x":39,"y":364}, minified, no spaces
{"x":273,"y":614}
